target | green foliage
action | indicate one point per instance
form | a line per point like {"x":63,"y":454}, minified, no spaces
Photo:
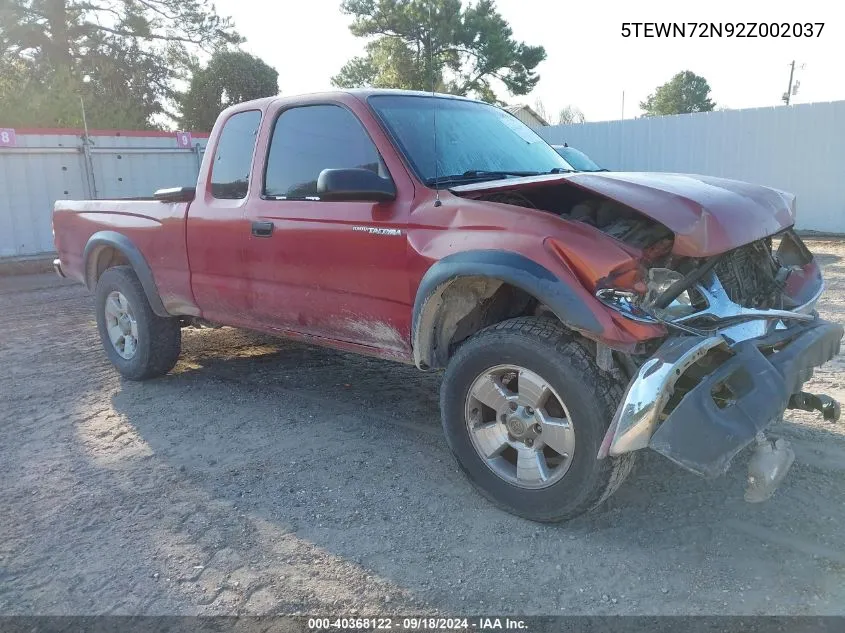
{"x":53,"y":98}
{"x":230,"y":77}
{"x":388,"y":63}
{"x":440,"y":44}
{"x":123,"y":57}
{"x":686,"y":92}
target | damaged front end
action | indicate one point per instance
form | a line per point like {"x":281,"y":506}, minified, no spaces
{"x":745,"y":338}
{"x":716,"y":265}
{"x":700,"y":400}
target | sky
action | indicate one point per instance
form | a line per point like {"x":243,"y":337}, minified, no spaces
{"x":589,"y":64}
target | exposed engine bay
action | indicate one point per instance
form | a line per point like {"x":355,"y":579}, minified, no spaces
{"x":610,"y":217}
{"x":753,"y":276}
{"x":759,"y":281}
{"x":754,"y":282}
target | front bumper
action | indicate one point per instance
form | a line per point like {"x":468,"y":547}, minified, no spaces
{"x":754,"y":383}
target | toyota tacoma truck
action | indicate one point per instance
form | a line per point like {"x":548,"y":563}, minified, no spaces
{"x":579,"y":317}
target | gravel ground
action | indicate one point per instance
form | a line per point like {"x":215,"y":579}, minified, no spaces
{"x":263,"y":476}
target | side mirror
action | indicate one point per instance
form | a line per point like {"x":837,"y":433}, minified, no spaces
{"x":354,"y":184}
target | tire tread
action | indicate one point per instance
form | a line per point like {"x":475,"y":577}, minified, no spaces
{"x":165,"y":333}
{"x":612,"y":471}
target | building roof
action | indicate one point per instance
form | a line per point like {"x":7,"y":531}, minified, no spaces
{"x":516,"y":109}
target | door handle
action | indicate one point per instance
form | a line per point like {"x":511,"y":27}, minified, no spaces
{"x":262,"y":229}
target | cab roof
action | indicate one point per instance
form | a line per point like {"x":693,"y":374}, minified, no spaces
{"x":360,"y":93}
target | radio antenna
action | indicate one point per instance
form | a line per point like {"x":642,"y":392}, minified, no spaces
{"x":437,"y":202}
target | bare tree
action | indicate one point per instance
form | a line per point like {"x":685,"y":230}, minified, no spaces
{"x":540,"y":109}
{"x":570,"y":114}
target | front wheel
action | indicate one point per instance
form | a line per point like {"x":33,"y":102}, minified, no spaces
{"x":524,"y":409}
{"x":138,"y":342}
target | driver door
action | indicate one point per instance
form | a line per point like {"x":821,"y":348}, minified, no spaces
{"x":329,"y":269}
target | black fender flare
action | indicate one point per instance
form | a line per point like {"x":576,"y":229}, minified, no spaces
{"x":508,"y":267}
{"x":101,"y":240}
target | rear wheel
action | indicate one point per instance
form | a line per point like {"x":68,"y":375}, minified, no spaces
{"x":138,"y":342}
{"x":525,"y":409}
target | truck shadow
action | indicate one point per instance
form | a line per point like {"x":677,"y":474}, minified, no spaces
{"x":346,"y":453}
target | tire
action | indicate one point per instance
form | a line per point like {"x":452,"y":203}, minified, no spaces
{"x":157,"y":340}
{"x":587,"y":396}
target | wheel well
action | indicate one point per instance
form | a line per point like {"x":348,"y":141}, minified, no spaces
{"x":106,"y":249}
{"x":102,"y":259}
{"x":461,"y":307}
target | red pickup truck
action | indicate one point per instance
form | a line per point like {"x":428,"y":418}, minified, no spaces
{"x":580,"y":317}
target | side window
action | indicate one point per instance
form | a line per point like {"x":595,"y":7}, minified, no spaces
{"x":308,"y":139}
{"x":233,"y":160}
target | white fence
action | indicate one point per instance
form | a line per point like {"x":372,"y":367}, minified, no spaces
{"x":41,"y":167}
{"x":800,"y":149}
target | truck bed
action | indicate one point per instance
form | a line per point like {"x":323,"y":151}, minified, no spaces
{"x":156,"y":229}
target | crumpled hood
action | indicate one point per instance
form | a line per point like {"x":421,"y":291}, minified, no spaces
{"x":707,"y":215}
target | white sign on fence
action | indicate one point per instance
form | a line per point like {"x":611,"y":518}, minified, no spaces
{"x":7,"y":137}
{"x":183,"y":139}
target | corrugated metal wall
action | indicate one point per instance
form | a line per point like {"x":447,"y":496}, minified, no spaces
{"x":797,"y":148}
{"x":43,"y":168}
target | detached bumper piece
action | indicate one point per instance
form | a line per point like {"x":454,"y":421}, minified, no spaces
{"x":767,"y":468}
{"x":727,"y":409}
{"x":827,"y":406}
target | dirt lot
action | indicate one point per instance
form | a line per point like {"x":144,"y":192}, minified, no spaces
{"x":270,"y":477}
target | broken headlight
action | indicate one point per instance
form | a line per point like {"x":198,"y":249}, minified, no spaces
{"x":637,"y":300}
{"x":659,"y":280}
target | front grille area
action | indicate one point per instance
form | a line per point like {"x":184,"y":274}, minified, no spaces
{"x":749,"y":276}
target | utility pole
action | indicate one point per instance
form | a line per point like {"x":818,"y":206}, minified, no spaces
{"x":85,"y":79}
{"x":788,"y":94}
{"x":623,"y":105}
{"x":84,"y":120}
{"x":86,"y":145}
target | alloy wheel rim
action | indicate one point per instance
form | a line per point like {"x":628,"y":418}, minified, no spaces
{"x":520,"y":427}
{"x":121,"y":326}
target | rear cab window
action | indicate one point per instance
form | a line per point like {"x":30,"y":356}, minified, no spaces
{"x":308,"y":139}
{"x":233,"y":156}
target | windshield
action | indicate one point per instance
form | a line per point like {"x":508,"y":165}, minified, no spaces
{"x":578,"y":159}
{"x":475,"y":141}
